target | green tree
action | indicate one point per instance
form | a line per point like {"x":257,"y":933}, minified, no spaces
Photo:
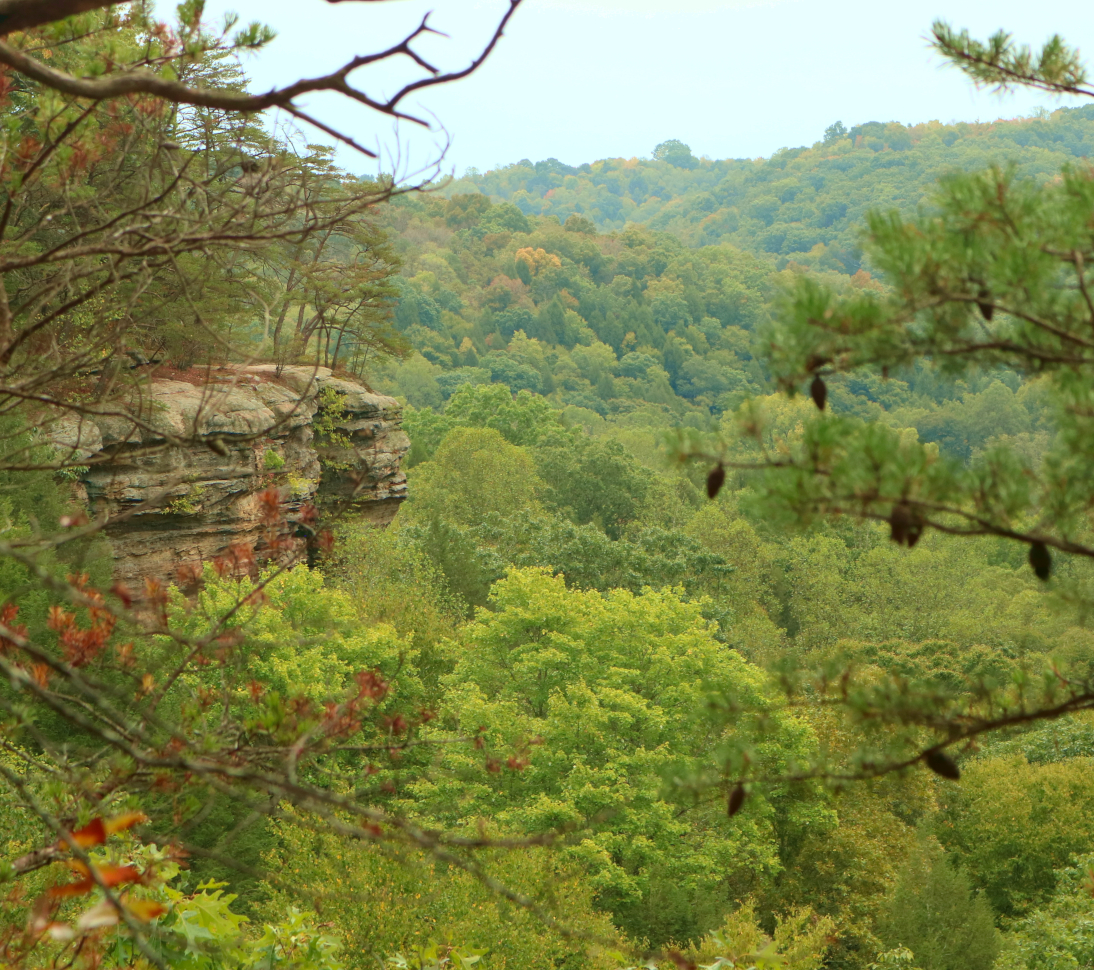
{"x":385,"y":903}
{"x":595,"y":709}
{"x":935,"y":914}
{"x":521,"y":419}
{"x":339,"y":286}
{"x":474,"y":473}
{"x":417,"y":379}
{"x":834,"y":133}
{"x":1059,"y":934}
{"x":675,"y":152}
{"x":395,"y":582}
{"x":589,"y":559}
{"x":1015,"y":824}
{"x":899,"y":959}
{"x":468,"y":569}
{"x":591,"y":481}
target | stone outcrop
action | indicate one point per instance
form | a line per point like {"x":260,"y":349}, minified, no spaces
{"x":183,"y":479}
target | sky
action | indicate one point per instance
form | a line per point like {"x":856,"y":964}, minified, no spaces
{"x":580,"y":80}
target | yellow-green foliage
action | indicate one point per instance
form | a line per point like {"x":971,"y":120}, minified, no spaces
{"x":848,"y":870}
{"x":308,"y":638}
{"x":617,"y":689}
{"x":305,"y":639}
{"x":489,"y":475}
{"x":187,"y":504}
{"x":385,"y":901}
{"x":326,"y":421}
{"x":881,"y":592}
{"x":800,"y":941}
{"x":23,"y":832}
{"x":1013,"y":824}
{"x":301,"y":486}
{"x":393,"y":582}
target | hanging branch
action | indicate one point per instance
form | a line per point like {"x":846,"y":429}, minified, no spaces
{"x":142,"y":81}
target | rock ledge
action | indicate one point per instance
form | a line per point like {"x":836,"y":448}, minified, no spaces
{"x":318,"y":439}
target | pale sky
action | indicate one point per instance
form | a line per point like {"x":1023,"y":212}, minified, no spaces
{"x":585,"y":79}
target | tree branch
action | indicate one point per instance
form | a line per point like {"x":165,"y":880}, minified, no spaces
{"x":145,"y":82}
{"x":24,"y":14}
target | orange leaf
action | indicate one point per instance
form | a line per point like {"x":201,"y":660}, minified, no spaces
{"x":119,"y":823}
{"x":145,"y":909}
{"x":92,"y":834}
{"x":81,"y":888}
{"x":107,"y":876}
{"x":118,"y":875}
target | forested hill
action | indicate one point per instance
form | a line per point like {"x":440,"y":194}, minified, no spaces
{"x":630,"y":327}
{"x":802,"y":203}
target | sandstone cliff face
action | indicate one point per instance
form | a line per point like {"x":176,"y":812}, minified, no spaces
{"x":317,"y":439}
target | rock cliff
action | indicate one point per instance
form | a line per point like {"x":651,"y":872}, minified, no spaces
{"x":181,"y":472}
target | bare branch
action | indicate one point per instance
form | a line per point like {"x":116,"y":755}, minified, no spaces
{"x":141,"y":81}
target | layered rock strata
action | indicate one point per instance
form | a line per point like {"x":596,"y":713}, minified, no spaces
{"x":184,"y":475}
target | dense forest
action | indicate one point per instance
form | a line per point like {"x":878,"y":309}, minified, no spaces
{"x":548,"y":361}
{"x":629,"y":681}
{"x":638,"y":329}
{"x":804,"y":204}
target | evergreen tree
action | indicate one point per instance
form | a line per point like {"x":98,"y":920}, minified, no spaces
{"x":935,"y":914}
